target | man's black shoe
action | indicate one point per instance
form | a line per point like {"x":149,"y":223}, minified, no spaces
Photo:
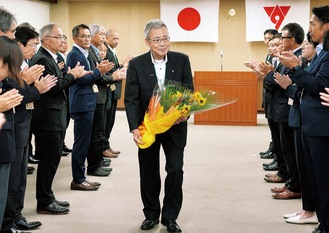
{"x":33,"y":159}
{"x":25,"y":225}
{"x":30,"y":170}
{"x":64,"y":153}
{"x":62,"y":203}
{"x":149,"y":224}
{"x":171,"y":225}
{"x":14,"y":230}
{"x":269,"y":155}
{"x":271,"y":167}
{"x":53,"y":209}
{"x":66,"y":149}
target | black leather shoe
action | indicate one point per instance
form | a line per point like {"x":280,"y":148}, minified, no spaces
{"x":269,"y":155}
{"x":149,"y":224}
{"x":317,"y":230}
{"x":53,"y":209}
{"x":271,"y":167}
{"x":25,"y":225}
{"x":33,"y":159}
{"x":66,"y":149}
{"x":171,"y":225}
{"x":105,"y":163}
{"x":14,"y":230}
{"x":30,"y":170}
{"x":62,"y":203}
{"x":64,"y":153}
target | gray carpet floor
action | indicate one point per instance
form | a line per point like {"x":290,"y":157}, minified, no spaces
{"x":224,"y":189}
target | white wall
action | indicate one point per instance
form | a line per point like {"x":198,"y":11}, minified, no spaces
{"x":34,"y":12}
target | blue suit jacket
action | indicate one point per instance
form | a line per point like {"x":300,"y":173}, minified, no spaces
{"x":314,"y":115}
{"x":81,"y":96}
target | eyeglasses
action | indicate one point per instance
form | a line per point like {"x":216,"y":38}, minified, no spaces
{"x":85,"y":36}
{"x":158,"y":41}
{"x":286,"y":37}
{"x":32,"y":45}
{"x":58,"y":37}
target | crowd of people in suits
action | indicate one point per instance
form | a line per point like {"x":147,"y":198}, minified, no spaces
{"x":295,"y":101}
{"x":40,"y":91}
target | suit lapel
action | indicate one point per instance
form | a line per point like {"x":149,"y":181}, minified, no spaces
{"x":58,"y":72}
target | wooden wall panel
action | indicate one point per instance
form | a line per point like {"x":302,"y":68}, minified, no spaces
{"x":242,"y":85}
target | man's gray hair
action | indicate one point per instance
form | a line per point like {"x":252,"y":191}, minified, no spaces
{"x":46,"y":30}
{"x":6,"y":20}
{"x":96,"y":28}
{"x":153,"y":23}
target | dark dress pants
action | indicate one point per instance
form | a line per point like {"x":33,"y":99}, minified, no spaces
{"x":306,"y":187}
{"x":289,"y":155}
{"x":316,"y":151}
{"x":83,"y":123}
{"x":149,"y":166}
{"x":16,"y":188}
{"x":4,"y":180}
{"x":49,"y":145}
{"x":275,"y":133}
{"x":97,"y":140}
{"x":110,"y":119}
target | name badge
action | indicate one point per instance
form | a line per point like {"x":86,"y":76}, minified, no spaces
{"x":290,"y":101}
{"x":113,"y":87}
{"x":95,"y":88}
{"x":29,"y":106}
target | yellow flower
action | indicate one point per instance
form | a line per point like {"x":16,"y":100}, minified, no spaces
{"x":197,"y":95}
{"x":185,"y":109}
{"x":202,"y":101}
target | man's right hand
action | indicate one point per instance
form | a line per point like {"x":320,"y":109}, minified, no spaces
{"x":30,"y":74}
{"x":105,"y":66}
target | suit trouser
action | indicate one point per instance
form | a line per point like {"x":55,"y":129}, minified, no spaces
{"x":16,"y":188}
{"x":316,"y":151}
{"x":97,"y":140}
{"x":48,"y":145}
{"x":4,"y":180}
{"x":306,"y":188}
{"x":83,"y":123}
{"x":275,"y":133}
{"x":149,"y":166}
{"x":289,"y":155}
{"x":110,"y":119}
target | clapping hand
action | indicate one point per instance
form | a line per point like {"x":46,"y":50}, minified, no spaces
{"x":30,"y":74}
{"x":9,"y":100}
{"x":78,"y":71}
{"x":45,"y":83}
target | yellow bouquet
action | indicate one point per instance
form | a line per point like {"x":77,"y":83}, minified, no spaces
{"x":172,"y":101}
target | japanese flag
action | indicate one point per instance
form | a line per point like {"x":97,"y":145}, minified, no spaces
{"x":191,"y":20}
{"x":265,"y":14}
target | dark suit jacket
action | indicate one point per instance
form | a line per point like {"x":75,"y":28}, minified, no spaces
{"x":50,"y":111}
{"x":7,"y":134}
{"x":141,"y":79}
{"x":81,"y":96}
{"x":314,"y":115}
{"x":104,"y":93}
{"x":279,"y":101}
{"x":118,"y":84}
{"x":22,"y":115}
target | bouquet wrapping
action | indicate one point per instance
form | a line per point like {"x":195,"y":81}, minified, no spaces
{"x":172,"y":101}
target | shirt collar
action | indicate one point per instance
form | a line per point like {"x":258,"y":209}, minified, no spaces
{"x":53,"y":55}
{"x":85,"y":52}
{"x":319,"y":48}
{"x":158,"y":62}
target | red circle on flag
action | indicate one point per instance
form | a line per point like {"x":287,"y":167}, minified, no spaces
{"x":189,"y":19}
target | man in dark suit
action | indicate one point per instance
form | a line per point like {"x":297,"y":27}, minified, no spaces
{"x":144,"y":71}
{"x":49,"y":119}
{"x":98,"y":139}
{"x":292,"y":38}
{"x":314,"y":116}
{"x":112,"y":41}
{"x":82,"y":101}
